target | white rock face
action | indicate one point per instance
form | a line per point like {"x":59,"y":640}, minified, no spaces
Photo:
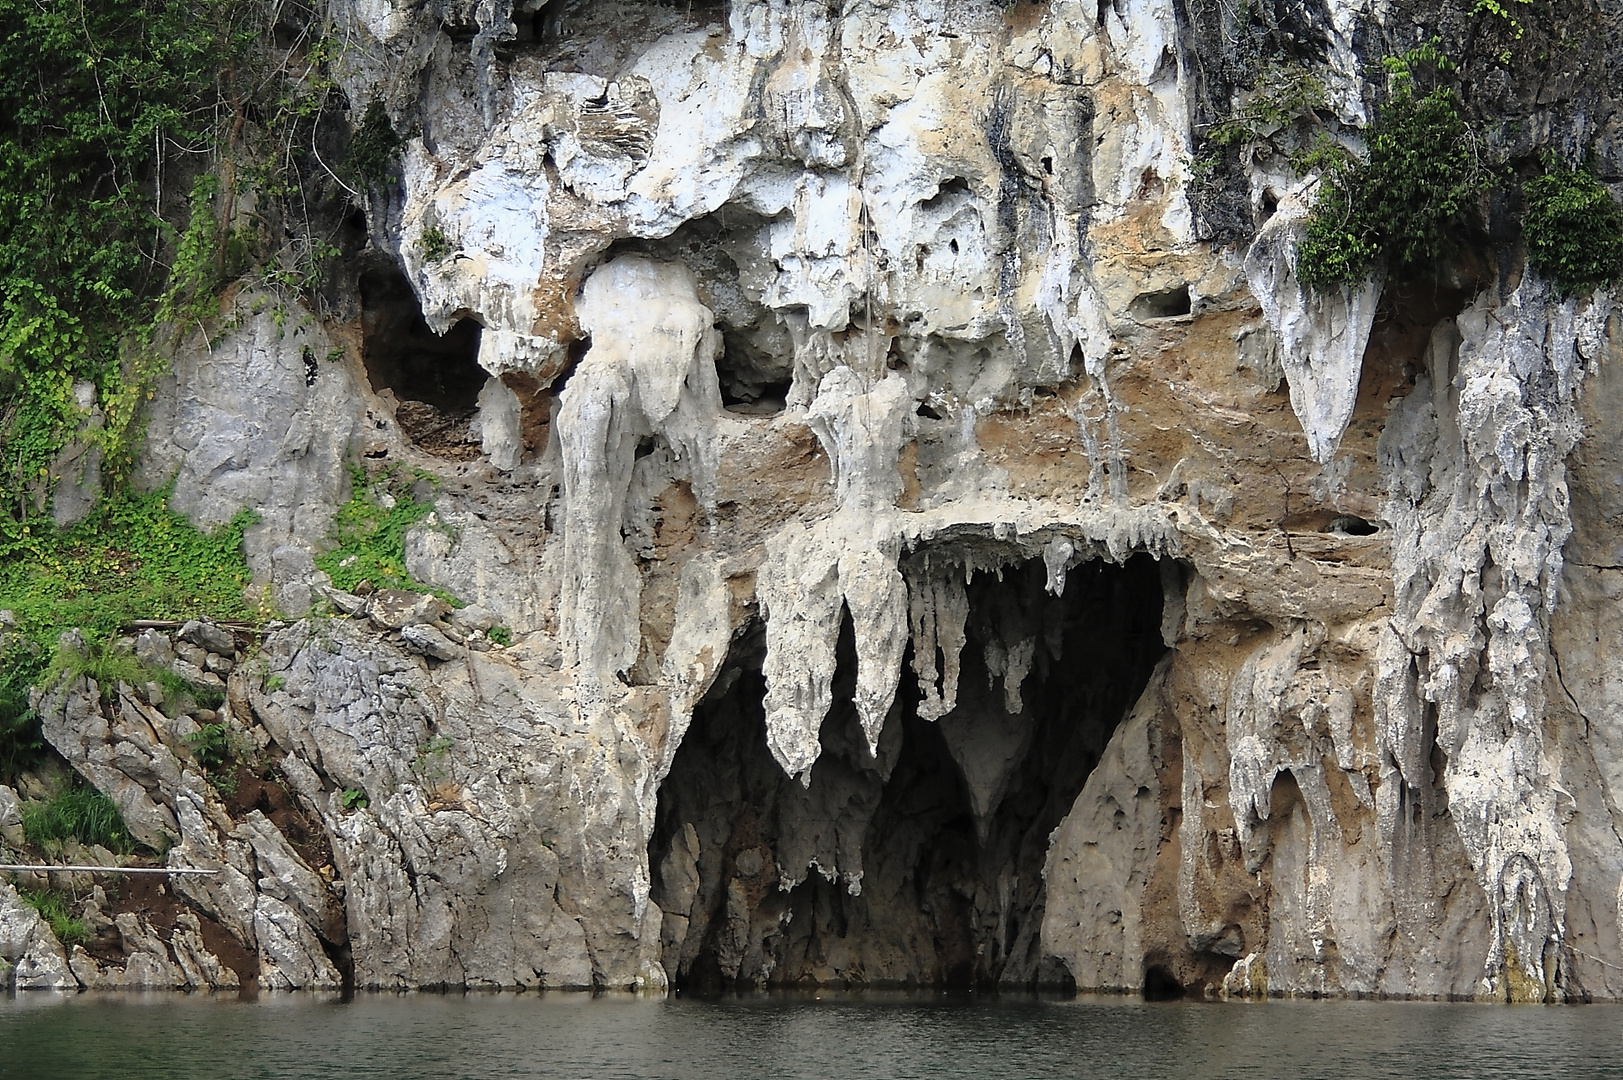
{"x":909,"y":566}
{"x":1322,"y":336}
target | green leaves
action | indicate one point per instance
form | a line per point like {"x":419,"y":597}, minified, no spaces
{"x":1574,"y":230}
{"x":375,"y":149}
{"x":1407,"y":202}
{"x":97,"y":99}
{"x":76,"y":812}
{"x":370,"y":531}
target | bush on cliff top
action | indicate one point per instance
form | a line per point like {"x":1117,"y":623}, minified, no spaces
{"x":1574,"y":230}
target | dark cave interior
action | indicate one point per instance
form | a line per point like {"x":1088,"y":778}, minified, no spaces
{"x":945,"y":830}
{"x":436,"y":379}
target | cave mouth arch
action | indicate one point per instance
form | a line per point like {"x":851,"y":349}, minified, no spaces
{"x":435,"y":379}
{"x":921,"y":866}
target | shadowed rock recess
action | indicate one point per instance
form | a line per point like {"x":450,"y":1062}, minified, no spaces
{"x":908,"y":522}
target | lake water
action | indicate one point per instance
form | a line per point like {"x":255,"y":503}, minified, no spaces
{"x":43,"y":1037}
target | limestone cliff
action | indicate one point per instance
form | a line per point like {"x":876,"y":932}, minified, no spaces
{"x":941,"y":541}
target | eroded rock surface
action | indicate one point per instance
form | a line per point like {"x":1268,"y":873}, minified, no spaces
{"x":940,"y":540}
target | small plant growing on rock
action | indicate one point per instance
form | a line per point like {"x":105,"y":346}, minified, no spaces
{"x":501,"y":635}
{"x":435,"y":245}
{"x":432,"y":766}
{"x":354,"y":799}
{"x":210,"y":745}
{"x":374,"y":150}
{"x":1574,"y":230}
{"x":76,"y":812}
{"x":218,"y":751}
{"x":53,"y":907}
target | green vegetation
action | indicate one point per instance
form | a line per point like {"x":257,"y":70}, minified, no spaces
{"x":93,"y":99}
{"x":150,"y":153}
{"x":433,"y":762}
{"x":210,"y":745}
{"x":354,"y":799}
{"x":1574,"y":230}
{"x":77,"y":811}
{"x":54,"y":908}
{"x":1407,"y":203}
{"x":1285,"y":95}
{"x":370,"y":531}
{"x":435,"y":245}
{"x":218,"y":751}
{"x":133,"y":558}
{"x":500,"y":635}
{"x":21,"y":744}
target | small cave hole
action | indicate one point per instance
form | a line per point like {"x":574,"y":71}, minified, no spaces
{"x":435,"y":379}
{"x":944,"y":192}
{"x":756,"y":367}
{"x":460,"y":32}
{"x":1159,"y":984}
{"x":926,"y":411}
{"x":1168,"y":304}
{"x":1352,"y":525}
{"x":921,"y":865}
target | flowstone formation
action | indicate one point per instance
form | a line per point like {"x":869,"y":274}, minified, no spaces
{"x":911,"y":525}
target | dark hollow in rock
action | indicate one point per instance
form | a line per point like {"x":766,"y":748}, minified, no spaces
{"x":436,"y":379}
{"x":945,"y":832}
{"x":1160,"y":305}
{"x":1352,"y":525}
{"x":1159,"y":985}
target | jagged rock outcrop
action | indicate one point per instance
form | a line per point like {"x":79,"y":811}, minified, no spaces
{"x":942,"y":542}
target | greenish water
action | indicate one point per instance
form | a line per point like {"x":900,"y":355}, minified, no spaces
{"x":573,"y":1036}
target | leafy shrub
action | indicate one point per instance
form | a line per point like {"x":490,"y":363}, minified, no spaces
{"x":1284,"y":95}
{"x":1574,"y":230}
{"x":210,"y":745}
{"x":1408,"y":201}
{"x":53,"y":908}
{"x":218,"y":751}
{"x":77,"y":811}
{"x":89,"y":94}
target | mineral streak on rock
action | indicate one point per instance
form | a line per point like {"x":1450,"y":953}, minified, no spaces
{"x":939,"y":540}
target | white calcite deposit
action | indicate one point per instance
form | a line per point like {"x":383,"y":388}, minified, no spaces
{"x":930,"y":552}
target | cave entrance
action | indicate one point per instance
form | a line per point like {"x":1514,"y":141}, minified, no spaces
{"x":435,"y":379}
{"x":921,"y":866}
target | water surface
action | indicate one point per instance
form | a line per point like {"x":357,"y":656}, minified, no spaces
{"x":489,"y":1037}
